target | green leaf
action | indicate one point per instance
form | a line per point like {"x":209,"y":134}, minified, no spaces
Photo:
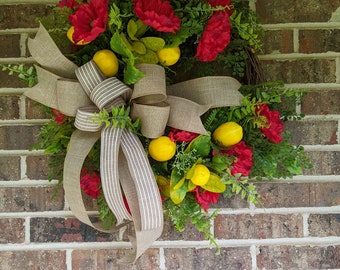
{"x":139,"y":47}
{"x":132,"y":74}
{"x":153,"y":43}
{"x":149,"y":57}
{"x":201,"y":145}
{"x":132,"y":29}
{"x":141,"y":28}
{"x":214,"y":184}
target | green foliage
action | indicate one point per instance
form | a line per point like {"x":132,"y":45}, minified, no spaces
{"x":26,"y":74}
{"x":184,"y":160}
{"x":54,"y":139}
{"x":190,"y":211}
{"x":281,"y":160}
{"x":119,"y":117}
{"x":105,"y":214}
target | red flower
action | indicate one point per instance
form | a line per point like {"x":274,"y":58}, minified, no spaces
{"x":244,"y":158}
{"x":274,"y":123}
{"x":59,"y":117}
{"x":157,"y":14}
{"x":89,"y":182}
{"x":73,"y":4}
{"x":89,"y":20}
{"x":223,"y":3}
{"x":205,"y":197}
{"x":215,"y":38}
{"x":178,"y":135}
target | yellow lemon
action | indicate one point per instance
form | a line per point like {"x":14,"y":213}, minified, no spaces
{"x":107,"y":62}
{"x":69,"y":35}
{"x":228,"y":134}
{"x":162,"y":148}
{"x":201,"y":175}
{"x":169,"y":56}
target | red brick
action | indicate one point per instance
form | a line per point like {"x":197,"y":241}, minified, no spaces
{"x":321,"y":102}
{"x":325,"y":163}
{"x":10,"y":81}
{"x":275,"y":195}
{"x":108,"y":259}
{"x":261,"y":226}
{"x":293,"y":257}
{"x":37,"y":167}
{"x":300,"y":71}
{"x":9,"y":107}
{"x":278,"y":42}
{"x":18,"y":137}
{"x":19,"y":199}
{"x":9,"y":46}
{"x":312,"y":132}
{"x":12,"y":230}
{"x":170,"y":233}
{"x":9,"y":168}
{"x":66,"y":230}
{"x":27,"y":15}
{"x":35,"y":110}
{"x":33,"y":260}
{"x":322,"y":225}
{"x":319,"y":41}
{"x":285,"y":11}
{"x":192,"y":259}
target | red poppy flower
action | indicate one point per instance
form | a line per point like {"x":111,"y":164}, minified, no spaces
{"x":274,"y":123}
{"x":73,"y":4}
{"x":157,"y":14}
{"x":89,"y":182}
{"x":178,"y":135}
{"x":59,"y":117}
{"x":205,"y":197}
{"x":215,"y":38}
{"x":244,"y":158}
{"x":89,"y":20}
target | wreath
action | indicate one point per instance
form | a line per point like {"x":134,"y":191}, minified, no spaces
{"x":158,"y":107}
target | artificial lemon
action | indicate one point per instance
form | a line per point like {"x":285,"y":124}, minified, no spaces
{"x":162,"y":148}
{"x":201,"y":175}
{"x":228,"y":134}
{"x":69,"y":35}
{"x":169,"y":56}
{"x":107,"y":62}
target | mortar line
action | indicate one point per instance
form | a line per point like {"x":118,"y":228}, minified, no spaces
{"x":305,"y":226}
{"x":22,"y":44}
{"x":17,"y":60}
{"x":23,"y":168}
{"x":69,"y":259}
{"x":162,"y":262}
{"x":337,"y":70}
{"x":296,"y":45}
{"x":315,"y":241}
{"x":298,"y":56}
{"x":253,"y":254}
{"x":27,"y":230}
{"x":302,"y":25}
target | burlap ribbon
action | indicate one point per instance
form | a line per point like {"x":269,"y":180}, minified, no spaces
{"x":124,"y":168}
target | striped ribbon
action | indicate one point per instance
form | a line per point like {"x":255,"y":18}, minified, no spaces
{"x":124,"y":167}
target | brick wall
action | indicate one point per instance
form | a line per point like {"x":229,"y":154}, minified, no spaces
{"x":299,"y":226}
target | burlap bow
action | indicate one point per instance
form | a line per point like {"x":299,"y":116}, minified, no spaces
{"x":82,"y":91}
{"x":124,"y":167}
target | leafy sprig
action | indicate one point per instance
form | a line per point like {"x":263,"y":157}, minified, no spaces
{"x":119,"y":117}
{"x":190,"y":211}
{"x":26,"y":74}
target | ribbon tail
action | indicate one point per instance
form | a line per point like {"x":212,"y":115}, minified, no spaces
{"x":80,"y":145}
{"x":110,"y":140}
{"x":47,"y":54}
{"x":142,"y":193}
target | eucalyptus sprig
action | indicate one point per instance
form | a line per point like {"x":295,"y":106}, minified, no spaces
{"x":118,"y":117}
